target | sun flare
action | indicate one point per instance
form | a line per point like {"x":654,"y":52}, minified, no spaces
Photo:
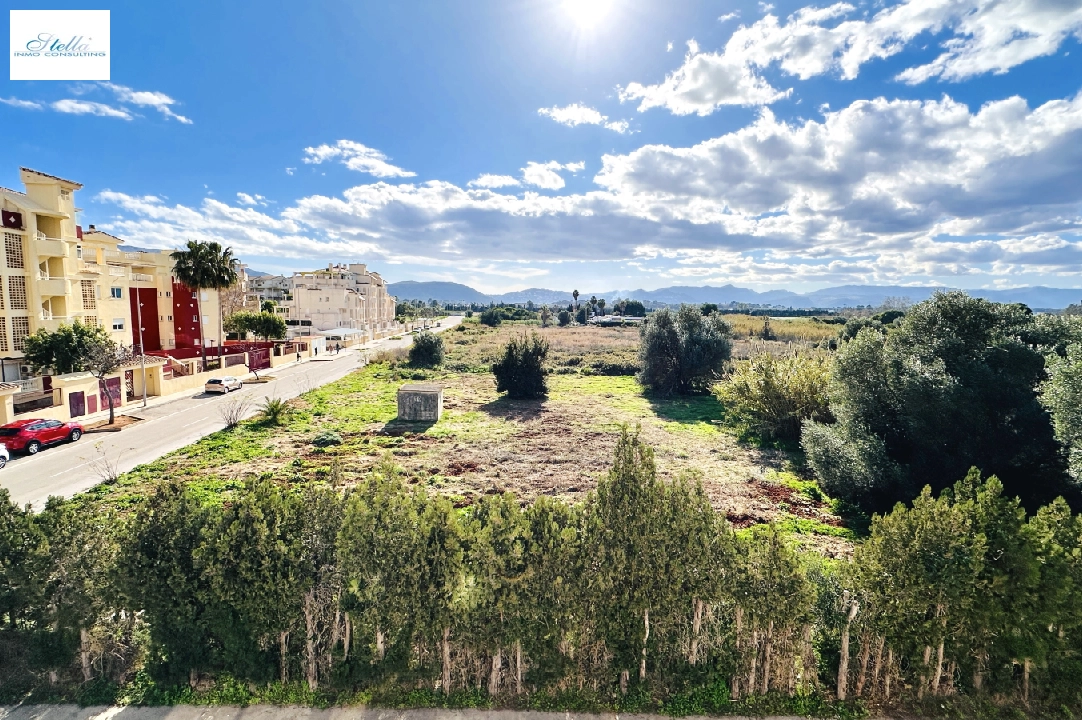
{"x":587,"y":14}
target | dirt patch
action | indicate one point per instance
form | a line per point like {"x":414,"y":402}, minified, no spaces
{"x":120,"y":422}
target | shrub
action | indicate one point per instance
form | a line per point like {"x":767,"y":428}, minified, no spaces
{"x":564,"y":318}
{"x":953,"y":385}
{"x":491,"y":317}
{"x":427,"y":350}
{"x":469,"y":313}
{"x":580,"y":316}
{"x":772,"y":396}
{"x":327,"y":438}
{"x":682,"y":352}
{"x":275,"y":411}
{"x":521,"y":371}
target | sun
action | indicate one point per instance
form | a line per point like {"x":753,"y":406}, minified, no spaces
{"x":587,"y":14}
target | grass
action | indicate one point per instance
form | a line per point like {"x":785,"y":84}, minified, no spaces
{"x":557,"y":446}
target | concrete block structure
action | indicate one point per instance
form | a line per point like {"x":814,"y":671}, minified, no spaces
{"x":420,"y":403}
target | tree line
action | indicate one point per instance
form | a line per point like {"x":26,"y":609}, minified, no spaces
{"x":642,"y":588}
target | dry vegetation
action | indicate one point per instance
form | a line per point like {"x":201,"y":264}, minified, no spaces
{"x":558,"y":446}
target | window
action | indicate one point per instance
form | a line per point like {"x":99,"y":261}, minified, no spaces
{"x":118,"y":323}
{"x":13,"y":248}
{"x":78,"y":252}
{"x":3,"y":334}
{"x":90,"y":321}
{"x":169,"y":318}
{"x":195,"y":318}
{"x":20,"y":328}
{"x":17,"y":292}
{"x":65,"y":193}
{"x":115,"y":292}
{"x":169,"y":293}
{"x":206,"y":319}
{"x":90,"y":294}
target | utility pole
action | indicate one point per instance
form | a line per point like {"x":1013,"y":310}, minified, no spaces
{"x":142,"y":350}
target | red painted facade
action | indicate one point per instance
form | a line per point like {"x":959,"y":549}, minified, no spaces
{"x":151,"y":335}
{"x":187,"y":325}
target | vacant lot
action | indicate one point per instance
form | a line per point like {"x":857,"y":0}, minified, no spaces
{"x":557,"y":446}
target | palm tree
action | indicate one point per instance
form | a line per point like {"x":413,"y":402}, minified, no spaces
{"x":575,"y":295}
{"x":593,"y":304}
{"x":205,"y":266}
{"x":601,"y":305}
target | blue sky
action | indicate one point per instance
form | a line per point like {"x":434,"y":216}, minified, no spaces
{"x":595,"y":144}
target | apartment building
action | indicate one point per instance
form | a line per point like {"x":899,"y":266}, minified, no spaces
{"x":347,"y":299}
{"x":52,"y":273}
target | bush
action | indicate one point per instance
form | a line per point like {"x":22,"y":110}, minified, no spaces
{"x":492,"y":317}
{"x":275,"y":411}
{"x":580,"y":316}
{"x":564,"y":318}
{"x":427,"y":350}
{"x":772,"y":396}
{"x":469,"y":313}
{"x":327,"y":438}
{"x":683,"y":352}
{"x":521,"y":371}
{"x":953,"y":385}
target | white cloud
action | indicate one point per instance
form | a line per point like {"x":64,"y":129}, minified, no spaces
{"x":982,"y":37}
{"x":729,"y":16}
{"x":355,"y":156}
{"x":547,"y":175}
{"x":578,"y":114}
{"x":23,"y":104}
{"x":290,"y":171}
{"x":703,"y":83}
{"x":493,"y":181}
{"x":668,"y":47}
{"x":146,"y":98}
{"x":245,"y":199}
{"x":879,"y":191}
{"x":85,"y":107}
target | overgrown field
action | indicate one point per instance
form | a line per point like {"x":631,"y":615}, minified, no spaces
{"x":486,"y":444}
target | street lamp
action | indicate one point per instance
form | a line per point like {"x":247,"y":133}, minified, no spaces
{"x":142,"y":349}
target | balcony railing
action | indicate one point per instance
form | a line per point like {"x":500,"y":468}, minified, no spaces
{"x":29,"y":385}
{"x":39,"y":235}
{"x":89,"y":267}
{"x":141,"y":277}
{"x":48,"y":315}
{"x":116,"y":270}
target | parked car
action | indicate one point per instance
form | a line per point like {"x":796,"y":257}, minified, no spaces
{"x":4,"y":457}
{"x":223,"y":384}
{"x":30,"y":436}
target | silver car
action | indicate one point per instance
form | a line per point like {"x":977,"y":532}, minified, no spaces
{"x":223,"y":384}
{"x":4,"y":456}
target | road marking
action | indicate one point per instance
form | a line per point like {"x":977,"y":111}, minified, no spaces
{"x":193,"y":422}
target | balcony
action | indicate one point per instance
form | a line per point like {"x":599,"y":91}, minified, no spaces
{"x":117,"y":271}
{"x":46,"y":246}
{"x":51,"y":323}
{"x":89,"y":267}
{"x":141,"y":278}
{"x":52,"y":286}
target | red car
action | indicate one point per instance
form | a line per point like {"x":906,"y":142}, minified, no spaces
{"x":29,"y":436}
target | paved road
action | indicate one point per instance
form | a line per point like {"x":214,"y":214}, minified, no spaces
{"x":72,"y":468}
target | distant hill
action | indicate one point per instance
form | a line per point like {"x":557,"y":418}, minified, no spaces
{"x":1037,"y":297}
{"x":441,"y":291}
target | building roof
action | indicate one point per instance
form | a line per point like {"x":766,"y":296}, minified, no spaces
{"x":95,"y":231}
{"x":77,"y":185}
{"x":23,"y":201}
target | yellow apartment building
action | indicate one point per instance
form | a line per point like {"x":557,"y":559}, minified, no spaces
{"x":51,"y":272}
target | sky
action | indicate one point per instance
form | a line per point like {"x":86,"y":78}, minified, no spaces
{"x":587,"y":143}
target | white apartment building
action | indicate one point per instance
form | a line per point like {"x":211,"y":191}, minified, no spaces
{"x":347,"y":299}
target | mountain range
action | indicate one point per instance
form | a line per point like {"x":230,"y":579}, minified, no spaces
{"x":1037,"y":297}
